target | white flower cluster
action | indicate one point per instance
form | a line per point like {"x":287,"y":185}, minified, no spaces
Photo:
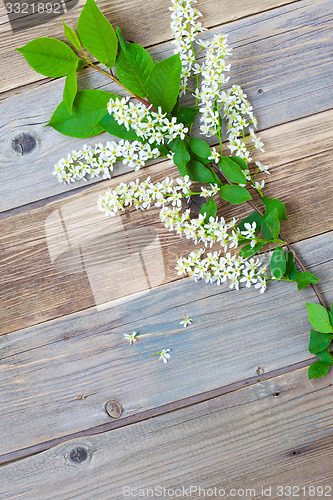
{"x":240,"y":122}
{"x":98,"y":160}
{"x":213,"y":268}
{"x":239,"y":114}
{"x":144,"y":194}
{"x":250,"y":232}
{"x":198,"y":230}
{"x":212,"y":73}
{"x":185,"y":27}
{"x":149,"y":125}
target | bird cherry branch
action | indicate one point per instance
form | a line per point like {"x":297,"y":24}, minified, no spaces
{"x":113,"y":78}
{"x":288,"y":245}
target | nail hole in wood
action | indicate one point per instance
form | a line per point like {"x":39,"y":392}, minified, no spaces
{"x":295,"y":452}
{"x":277,"y":394}
{"x":23,"y":144}
{"x":113,"y":409}
{"x":78,"y":455}
{"x":260,"y":91}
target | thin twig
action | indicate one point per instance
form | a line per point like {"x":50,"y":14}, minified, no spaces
{"x":112,"y":77}
{"x":288,"y":245}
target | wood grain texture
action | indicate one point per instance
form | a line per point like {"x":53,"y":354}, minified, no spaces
{"x":47,"y":369}
{"x":63,"y":256}
{"x":275,"y":433}
{"x":284,"y":52}
{"x":142,"y":22}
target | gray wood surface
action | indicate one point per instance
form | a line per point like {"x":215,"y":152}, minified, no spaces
{"x":75,"y":282}
{"x":45,"y":370}
{"x":275,"y":433}
{"x":285,"y":52}
{"x":146,"y":23}
{"x":63,"y":256}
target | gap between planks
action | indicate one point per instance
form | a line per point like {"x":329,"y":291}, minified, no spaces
{"x":276,"y":432}
{"x":34,"y":240}
{"x":44,"y":369}
{"x":300,"y":124}
{"x":6,"y":94}
{"x":155,"y":14}
{"x":195,"y":399}
{"x":287,"y":95}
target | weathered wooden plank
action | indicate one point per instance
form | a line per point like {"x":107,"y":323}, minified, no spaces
{"x":46,"y":370}
{"x":63,"y":256}
{"x":151,"y":26}
{"x":272,"y":435}
{"x":301,"y":88}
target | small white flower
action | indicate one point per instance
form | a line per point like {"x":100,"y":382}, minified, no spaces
{"x":130,"y":337}
{"x":186,"y":321}
{"x":262,"y":168}
{"x":249,"y":230}
{"x":215,"y":156}
{"x":261,"y":284}
{"x":258,"y":185}
{"x":164,"y":355}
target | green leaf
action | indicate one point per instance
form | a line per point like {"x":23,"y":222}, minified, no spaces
{"x":197,"y":172}
{"x":205,"y":161}
{"x":235,"y":194}
{"x":202,"y":160}
{"x":172,"y":144}
{"x":109,"y":124}
{"x":319,"y":341}
{"x":319,"y":318}
{"x":318,"y":369}
{"x":240,"y":162}
{"x":291,"y":270}
{"x":80,"y":65}
{"x":289,"y":261}
{"x":209,"y":208}
{"x":278,"y":263}
{"x":88,"y":109}
{"x":254,"y":217}
{"x":175,"y":109}
{"x":247,"y":251}
{"x":49,"y":57}
{"x":271,"y":204}
{"x":71,"y":36}
{"x":232,"y":170}
{"x":331,"y":315}
{"x":164,"y":83}
{"x":162,"y":149}
{"x":200,"y":147}
{"x":325,"y":355}
{"x":181,"y":157}
{"x":218,"y":109}
{"x":270,"y":226}
{"x":97,"y":34}
{"x":70,"y":90}
{"x":304,"y":279}
{"x":134,"y":65}
{"x":186,"y":115}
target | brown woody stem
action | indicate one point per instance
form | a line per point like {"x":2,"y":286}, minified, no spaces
{"x":112,"y":77}
{"x":288,"y":245}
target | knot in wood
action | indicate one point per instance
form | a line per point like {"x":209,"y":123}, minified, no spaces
{"x":78,"y":455}
{"x":23,"y":143}
{"x":114,"y":409}
{"x":195,"y":203}
{"x":260,"y":370}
